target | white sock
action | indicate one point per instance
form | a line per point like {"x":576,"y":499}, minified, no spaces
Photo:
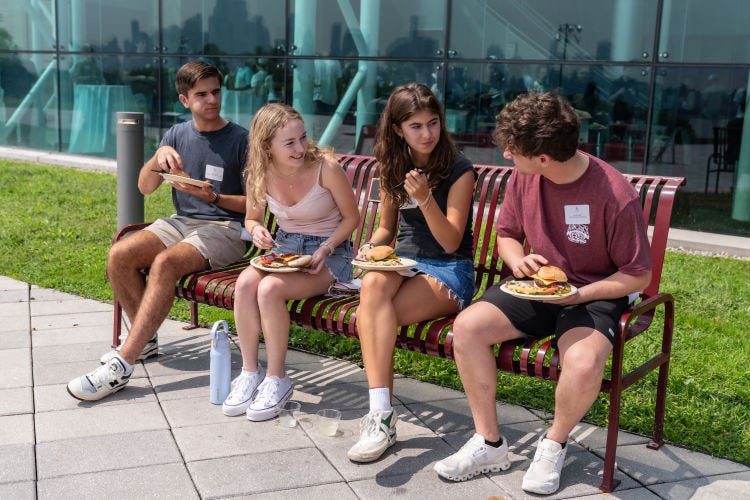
{"x":128,"y":366}
{"x":380,"y":398}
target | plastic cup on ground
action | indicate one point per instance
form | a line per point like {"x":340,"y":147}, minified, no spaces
{"x":289,"y":414}
{"x":328,"y":421}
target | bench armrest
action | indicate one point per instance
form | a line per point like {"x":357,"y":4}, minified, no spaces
{"x":129,"y":228}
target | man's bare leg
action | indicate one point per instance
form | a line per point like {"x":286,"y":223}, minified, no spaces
{"x":124,"y":263}
{"x":583,"y":356}
{"x":158,"y":296}
{"x":476,"y":330}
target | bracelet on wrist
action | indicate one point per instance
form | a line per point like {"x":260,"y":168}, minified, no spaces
{"x":426,"y":201}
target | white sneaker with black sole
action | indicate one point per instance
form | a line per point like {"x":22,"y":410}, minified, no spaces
{"x":273,"y":392}
{"x":151,"y":350}
{"x":244,"y":387}
{"x":474,"y":458}
{"x":101,"y":382}
{"x":543,"y":476}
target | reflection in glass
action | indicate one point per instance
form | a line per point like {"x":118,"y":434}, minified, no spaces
{"x":697,"y":124}
{"x":26,"y":28}
{"x":222,"y":26}
{"x":700,"y":31}
{"x":108,"y":25}
{"x":550,"y":29}
{"x":28,"y":104}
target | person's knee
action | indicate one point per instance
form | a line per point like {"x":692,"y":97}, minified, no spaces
{"x":583,"y":365}
{"x":247,"y":283}
{"x":372,"y":289}
{"x":271,"y":290}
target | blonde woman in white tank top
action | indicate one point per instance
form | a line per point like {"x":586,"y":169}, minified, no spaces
{"x":311,"y":197}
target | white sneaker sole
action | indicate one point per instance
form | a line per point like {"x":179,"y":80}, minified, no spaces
{"x":369,"y":457}
{"x":96,"y":396}
{"x":236,"y":410}
{"x":269,"y":413}
{"x":482,"y":470}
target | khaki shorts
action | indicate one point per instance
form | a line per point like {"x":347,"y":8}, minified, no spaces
{"x":218,"y":241}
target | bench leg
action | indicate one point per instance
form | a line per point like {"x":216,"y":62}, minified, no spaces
{"x":609,"y":483}
{"x":117,"y":325}
{"x":193,"y":316}
{"x":661,"y":400}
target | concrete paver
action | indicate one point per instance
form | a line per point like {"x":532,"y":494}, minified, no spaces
{"x":160,"y":437}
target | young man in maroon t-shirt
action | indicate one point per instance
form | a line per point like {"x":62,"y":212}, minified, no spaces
{"x":577,"y":213}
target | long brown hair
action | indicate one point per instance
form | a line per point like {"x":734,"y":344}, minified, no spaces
{"x":392,"y":151}
{"x":266,"y":122}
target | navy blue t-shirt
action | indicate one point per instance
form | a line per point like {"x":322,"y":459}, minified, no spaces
{"x":218,"y":156}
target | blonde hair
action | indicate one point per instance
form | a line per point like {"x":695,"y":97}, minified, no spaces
{"x":266,"y":122}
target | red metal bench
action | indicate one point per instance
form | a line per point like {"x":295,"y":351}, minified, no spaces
{"x":434,"y":337}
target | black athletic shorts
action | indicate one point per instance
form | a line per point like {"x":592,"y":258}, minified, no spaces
{"x":541,"y":319}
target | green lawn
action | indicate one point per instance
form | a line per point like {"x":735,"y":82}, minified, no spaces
{"x":57,"y":224}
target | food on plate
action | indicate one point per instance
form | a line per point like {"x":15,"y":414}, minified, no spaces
{"x":380,"y":255}
{"x":548,"y":280}
{"x":273,"y":260}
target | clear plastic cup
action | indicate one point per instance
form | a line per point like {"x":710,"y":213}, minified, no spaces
{"x":289,"y":414}
{"x":328,"y":421}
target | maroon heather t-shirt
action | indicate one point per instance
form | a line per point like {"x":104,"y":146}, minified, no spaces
{"x":591,"y":228}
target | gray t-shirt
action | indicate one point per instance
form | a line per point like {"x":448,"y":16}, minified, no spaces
{"x":218,"y":156}
{"x":414,"y":236}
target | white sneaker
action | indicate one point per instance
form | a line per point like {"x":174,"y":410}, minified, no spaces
{"x":273,"y":392}
{"x":377,"y":434}
{"x":105,"y":380}
{"x":151,"y":350}
{"x":474,"y":458}
{"x":543,"y":476}
{"x":243,"y":390}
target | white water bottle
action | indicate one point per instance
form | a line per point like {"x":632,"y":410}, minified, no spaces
{"x":220,"y":371}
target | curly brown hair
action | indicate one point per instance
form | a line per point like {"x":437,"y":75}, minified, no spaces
{"x":538,"y":123}
{"x":392,"y":151}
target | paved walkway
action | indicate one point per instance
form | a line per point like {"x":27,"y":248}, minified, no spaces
{"x":160,"y":437}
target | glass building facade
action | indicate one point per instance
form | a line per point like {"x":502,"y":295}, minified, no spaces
{"x":660,"y":85}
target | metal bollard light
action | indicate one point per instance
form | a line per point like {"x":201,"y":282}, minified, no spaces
{"x":129,"y":163}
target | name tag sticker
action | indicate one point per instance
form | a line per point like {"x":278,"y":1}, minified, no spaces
{"x":577,"y":214}
{"x":214,"y":173}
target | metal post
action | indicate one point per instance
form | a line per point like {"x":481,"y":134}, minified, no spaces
{"x":129,"y":163}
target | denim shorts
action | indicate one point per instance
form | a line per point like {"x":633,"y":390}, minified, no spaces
{"x":456,"y":275}
{"x":339,"y":262}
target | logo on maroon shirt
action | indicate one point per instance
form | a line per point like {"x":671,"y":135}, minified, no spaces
{"x":578,"y":233}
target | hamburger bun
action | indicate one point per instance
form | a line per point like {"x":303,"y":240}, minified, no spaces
{"x":547,"y":275}
{"x":300,"y":261}
{"x":380,"y":252}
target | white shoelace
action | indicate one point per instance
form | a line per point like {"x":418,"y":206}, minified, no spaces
{"x":102,"y":375}
{"x":267,"y":392}
{"x":369,"y":425}
{"x":240,"y":387}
